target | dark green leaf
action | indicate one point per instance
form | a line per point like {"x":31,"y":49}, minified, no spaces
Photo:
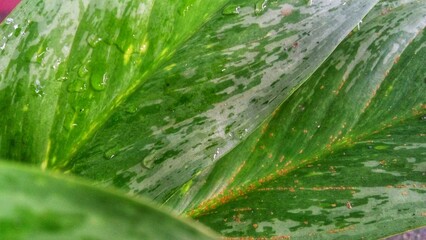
{"x":36,"y":205}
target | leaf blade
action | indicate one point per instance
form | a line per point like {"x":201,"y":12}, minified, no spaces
{"x":43,"y":206}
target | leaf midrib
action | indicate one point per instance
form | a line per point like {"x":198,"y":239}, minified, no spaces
{"x":204,"y":208}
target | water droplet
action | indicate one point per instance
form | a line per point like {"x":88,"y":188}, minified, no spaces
{"x":38,"y":88}
{"x":112,"y":152}
{"x":99,"y":82}
{"x":9,"y":21}
{"x":39,"y":57}
{"x":183,"y":10}
{"x":260,"y":7}
{"x":231,"y":9}
{"x":83,"y":70}
{"x":359,"y":25}
{"x":57,"y":63}
{"x":216,"y":154}
{"x":77,"y":86}
{"x":93,"y":40}
{"x":132,"y":109}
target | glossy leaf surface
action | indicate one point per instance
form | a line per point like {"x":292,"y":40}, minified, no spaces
{"x":196,"y":109}
{"x":36,"y":205}
{"x":220,"y":110}
{"x":344,"y":157}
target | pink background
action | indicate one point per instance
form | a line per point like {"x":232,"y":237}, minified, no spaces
{"x":6,"y":6}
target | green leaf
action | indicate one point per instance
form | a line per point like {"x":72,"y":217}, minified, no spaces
{"x":36,"y":205}
{"x":344,"y":156}
{"x":71,"y":64}
{"x":220,"y":85}
{"x":221,"y":112}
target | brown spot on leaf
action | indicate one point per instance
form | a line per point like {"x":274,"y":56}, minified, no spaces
{"x":295,"y":45}
{"x":396,"y":60}
{"x":287,"y":10}
{"x":255,"y":225}
{"x":349,"y":205}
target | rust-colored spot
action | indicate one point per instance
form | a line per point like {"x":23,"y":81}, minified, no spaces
{"x":333,"y":205}
{"x":262,"y":147}
{"x":385,"y":11}
{"x":404,"y":193}
{"x":270,"y":155}
{"x":282,"y":158}
{"x":236,"y":218}
{"x":255,"y":225}
{"x":423,"y":214}
{"x":386,"y":73}
{"x":292,"y":189}
{"x":339,"y":230}
{"x":305,"y":131}
{"x":305,"y":222}
{"x":264,"y":128}
{"x":295,"y":44}
{"x":287,"y":10}
{"x":271,"y":135}
{"x":322,"y":87}
{"x":383,"y":162}
{"x":396,"y":60}
{"x":349,"y":205}
{"x":301,"y":151}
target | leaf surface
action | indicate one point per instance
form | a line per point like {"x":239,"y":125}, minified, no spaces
{"x":36,"y":205}
{"x":344,"y":156}
{"x":217,"y":89}
{"x":230,"y":120}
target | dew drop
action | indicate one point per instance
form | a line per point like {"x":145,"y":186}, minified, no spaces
{"x":39,"y":57}
{"x":359,"y":25}
{"x":9,"y":21}
{"x":83,"y":71}
{"x":216,"y":154}
{"x":93,"y":40}
{"x":112,"y":152}
{"x":260,"y":6}
{"x":77,"y":86}
{"x":231,"y":9}
{"x":132,"y":109}
{"x":38,"y":88}
{"x":57,"y":63}
{"x":99,"y":82}
{"x":184,"y":9}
